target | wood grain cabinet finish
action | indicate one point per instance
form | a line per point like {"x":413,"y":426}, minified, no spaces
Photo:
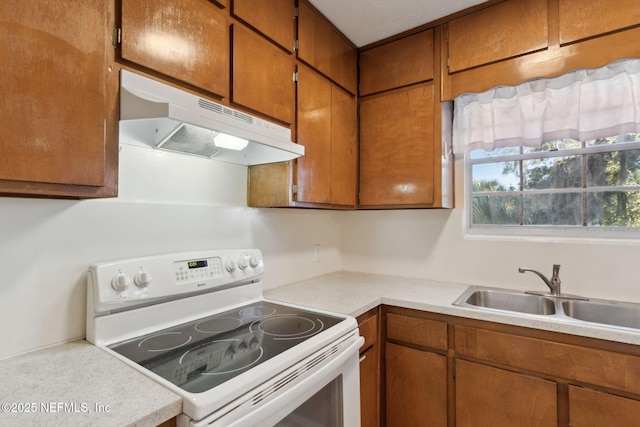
{"x":416,"y":387}
{"x":581,"y":19}
{"x":369,"y":370}
{"x":397,"y":160}
{"x":503,"y":31}
{"x":57,"y":112}
{"x":273,"y":18}
{"x":487,"y":396}
{"x":262,"y":76}
{"x":324,"y":48}
{"x":187,"y":40}
{"x":590,"y":408}
{"x":510,"y":42}
{"x":326,"y":127}
{"x":396,"y":64}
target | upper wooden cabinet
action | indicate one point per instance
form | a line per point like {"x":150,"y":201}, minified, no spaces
{"x":187,"y":40}
{"x":518,"y":40}
{"x":327,"y":128}
{"x":262,"y":76}
{"x":324,"y":48}
{"x":503,"y":31}
{"x":399,"y":63}
{"x":273,"y":18}
{"x":59,"y":135}
{"x":397,"y":161}
{"x":581,"y":19}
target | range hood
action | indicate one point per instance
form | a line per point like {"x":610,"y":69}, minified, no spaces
{"x":160,"y":116}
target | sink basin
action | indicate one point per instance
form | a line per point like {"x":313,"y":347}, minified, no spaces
{"x":507,"y":300}
{"x":607,"y":313}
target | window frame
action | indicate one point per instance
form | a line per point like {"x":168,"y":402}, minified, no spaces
{"x":547,"y":231}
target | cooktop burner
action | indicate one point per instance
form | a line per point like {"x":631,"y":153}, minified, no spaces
{"x":204,"y":353}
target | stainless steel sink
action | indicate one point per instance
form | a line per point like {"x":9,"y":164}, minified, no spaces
{"x":507,"y":301}
{"x":563,"y":307}
{"x":608,"y":313}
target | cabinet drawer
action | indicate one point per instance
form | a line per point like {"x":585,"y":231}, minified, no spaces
{"x":413,"y":330}
{"x":589,"y":365}
{"x":369,"y":331}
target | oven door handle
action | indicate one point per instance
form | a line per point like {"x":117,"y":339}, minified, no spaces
{"x":274,"y":400}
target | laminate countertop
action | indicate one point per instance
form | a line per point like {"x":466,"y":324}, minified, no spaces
{"x":78,"y":384}
{"x":355,"y":293}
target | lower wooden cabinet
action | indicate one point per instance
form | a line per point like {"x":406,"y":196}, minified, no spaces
{"x":369,"y":370}
{"x":589,"y":408}
{"x":451,"y":371}
{"x":487,"y":396}
{"x":416,"y":387}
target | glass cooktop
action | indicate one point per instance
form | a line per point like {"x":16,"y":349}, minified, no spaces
{"x":204,"y":353}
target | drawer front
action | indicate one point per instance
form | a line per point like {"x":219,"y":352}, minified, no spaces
{"x":369,"y":331}
{"x":413,"y":330}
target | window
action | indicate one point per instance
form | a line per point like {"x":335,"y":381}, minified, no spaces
{"x":566,"y":183}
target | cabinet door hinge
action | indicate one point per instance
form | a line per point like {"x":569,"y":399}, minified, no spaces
{"x":116,"y":36}
{"x":295,"y":77}
{"x":295,"y":45}
{"x":294,"y":189}
{"x":296,"y":12}
{"x":453,"y":369}
{"x":448,"y":62}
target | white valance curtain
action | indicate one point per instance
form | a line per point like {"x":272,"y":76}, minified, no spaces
{"x":582,"y":105}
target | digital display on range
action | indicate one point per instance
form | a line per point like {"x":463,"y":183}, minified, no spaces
{"x":197,"y":264}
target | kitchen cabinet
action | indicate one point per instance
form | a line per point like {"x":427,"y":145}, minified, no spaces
{"x":398,"y":161}
{"x":398,"y":63}
{"x":326,"y":127}
{"x":593,"y":408}
{"x":324,"y":48}
{"x":58,"y":107}
{"x":518,"y":40}
{"x":501,"y":375}
{"x":326,"y":176}
{"x":369,"y":369}
{"x":415,"y":378}
{"x":262,"y":76}
{"x":187,"y":40}
{"x":488,"y":396}
{"x":272,"y":18}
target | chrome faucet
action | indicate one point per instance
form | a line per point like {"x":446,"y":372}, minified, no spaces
{"x":553,"y":283}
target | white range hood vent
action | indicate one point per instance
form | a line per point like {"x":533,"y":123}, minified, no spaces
{"x":157,"y":115}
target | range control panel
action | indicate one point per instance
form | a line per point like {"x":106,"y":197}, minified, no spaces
{"x":124,"y":283}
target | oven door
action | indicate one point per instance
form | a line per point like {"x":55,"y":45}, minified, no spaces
{"x":322,"y":390}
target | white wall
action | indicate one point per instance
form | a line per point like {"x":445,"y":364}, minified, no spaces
{"x":46,"y":246}
{"x":431,"y":244}
{"x":170,"y":204}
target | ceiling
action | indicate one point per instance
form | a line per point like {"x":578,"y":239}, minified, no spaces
{"x":368,"y":21}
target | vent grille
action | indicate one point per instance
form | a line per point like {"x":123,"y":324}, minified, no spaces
{"x":295,"y":374}
{"x":192,"y":140}
{"x":222,"y":110}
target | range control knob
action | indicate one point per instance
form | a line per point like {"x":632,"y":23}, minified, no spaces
{"x":142,"y":279}
{"x":120,"y":282}
{"x":242,"y":263}
{"x":230,"y":266}
{"x":254,"y":262}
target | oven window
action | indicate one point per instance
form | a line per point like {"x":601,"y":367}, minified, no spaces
{"x":323,"y":409}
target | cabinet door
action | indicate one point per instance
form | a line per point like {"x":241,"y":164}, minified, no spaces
{"x":487,"y":396}
{"x":580,"y":19}
{"x":273,"y":18}
{"x":502,"y":31}
{"x":187,"y":40}
{"x":589,"y":408}
{"x":396,"y":147}
{"x":327,"y":129}
{"x":324,"y":48}
{"x":262,"y":76}
{"x":57,"y":136}
{"x":416,"y":387}
{"x":369,"y":374}
{"x":399,"y":63}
